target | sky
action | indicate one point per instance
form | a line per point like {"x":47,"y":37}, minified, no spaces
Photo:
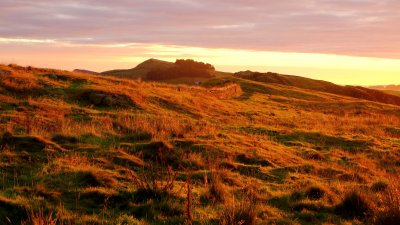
{"x":343,"y":41}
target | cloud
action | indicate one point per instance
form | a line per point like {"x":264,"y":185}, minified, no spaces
{"x":349,"y":27}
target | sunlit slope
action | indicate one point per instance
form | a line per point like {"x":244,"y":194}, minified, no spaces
{"x":90,"y":149}
{"x":318,"y":85}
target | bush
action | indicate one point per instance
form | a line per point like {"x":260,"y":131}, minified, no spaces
{"x":355,"y":205}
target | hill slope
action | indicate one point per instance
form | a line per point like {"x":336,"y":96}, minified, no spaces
{"x":89,"y":149}
{"x":318,"y":85}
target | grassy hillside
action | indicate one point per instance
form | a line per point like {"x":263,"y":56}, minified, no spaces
{"x":319,"y":85}
{"x":89,"y":149}
{"x":397,"y":93}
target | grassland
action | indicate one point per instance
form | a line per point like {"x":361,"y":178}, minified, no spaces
{"x":87,"y":149}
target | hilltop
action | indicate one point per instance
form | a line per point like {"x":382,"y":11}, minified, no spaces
{"x":168,"y":72}
{"x":95,"y":149}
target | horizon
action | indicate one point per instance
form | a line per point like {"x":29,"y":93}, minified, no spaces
{"x":347,"y":43}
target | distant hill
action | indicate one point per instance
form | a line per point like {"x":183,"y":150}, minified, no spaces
{"x":85,"y":71}
{"x":319,"y":85}
{"x":141,"y":70}
{"x":386,"y":87}
{"x":158,"y":70}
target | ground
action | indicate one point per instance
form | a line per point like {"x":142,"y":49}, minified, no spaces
{"x":88,"y":149}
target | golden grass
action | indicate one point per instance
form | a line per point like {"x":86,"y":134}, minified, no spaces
{"x":321,"y":140}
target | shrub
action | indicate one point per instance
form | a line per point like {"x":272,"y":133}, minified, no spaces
{"x":355,"y":205}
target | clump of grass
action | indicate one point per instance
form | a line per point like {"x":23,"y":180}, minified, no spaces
{"x":216,"y":192}
{"x":315,"y":192}
{"x":40,"y":217}
{"x":390,"y":213}
{"x":355,"y":205}
{"x":244,"y":212}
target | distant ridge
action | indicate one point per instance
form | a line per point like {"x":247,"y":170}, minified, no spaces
{"x":85,"y":71}
{"x":319,"y":85}
{"x":391,"y":87}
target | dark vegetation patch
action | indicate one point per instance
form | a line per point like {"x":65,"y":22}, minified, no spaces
{"x":207,"y":152}
{"x":155,"y":151}
{"x":321,"y":141}
{"x":254,"y":171}
{"x":259,"y":131}
{"x":379,"y":186}
{"x":107,"y":99}
{"x":91,"y":200}
{"x":160,"y":212}
{"x":242,"y":158}
{"x":355,"y":205}
{"x":315,"y":193}
{"x":11,"y":212}
{"x":63,"y":77}
{"x":6,"y":106}
{"x":23,"y":143}
{"x":79,"y":115}
{"x":68,"y":142}
{"x":73,"y":179}
{"x":393,"y":132}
